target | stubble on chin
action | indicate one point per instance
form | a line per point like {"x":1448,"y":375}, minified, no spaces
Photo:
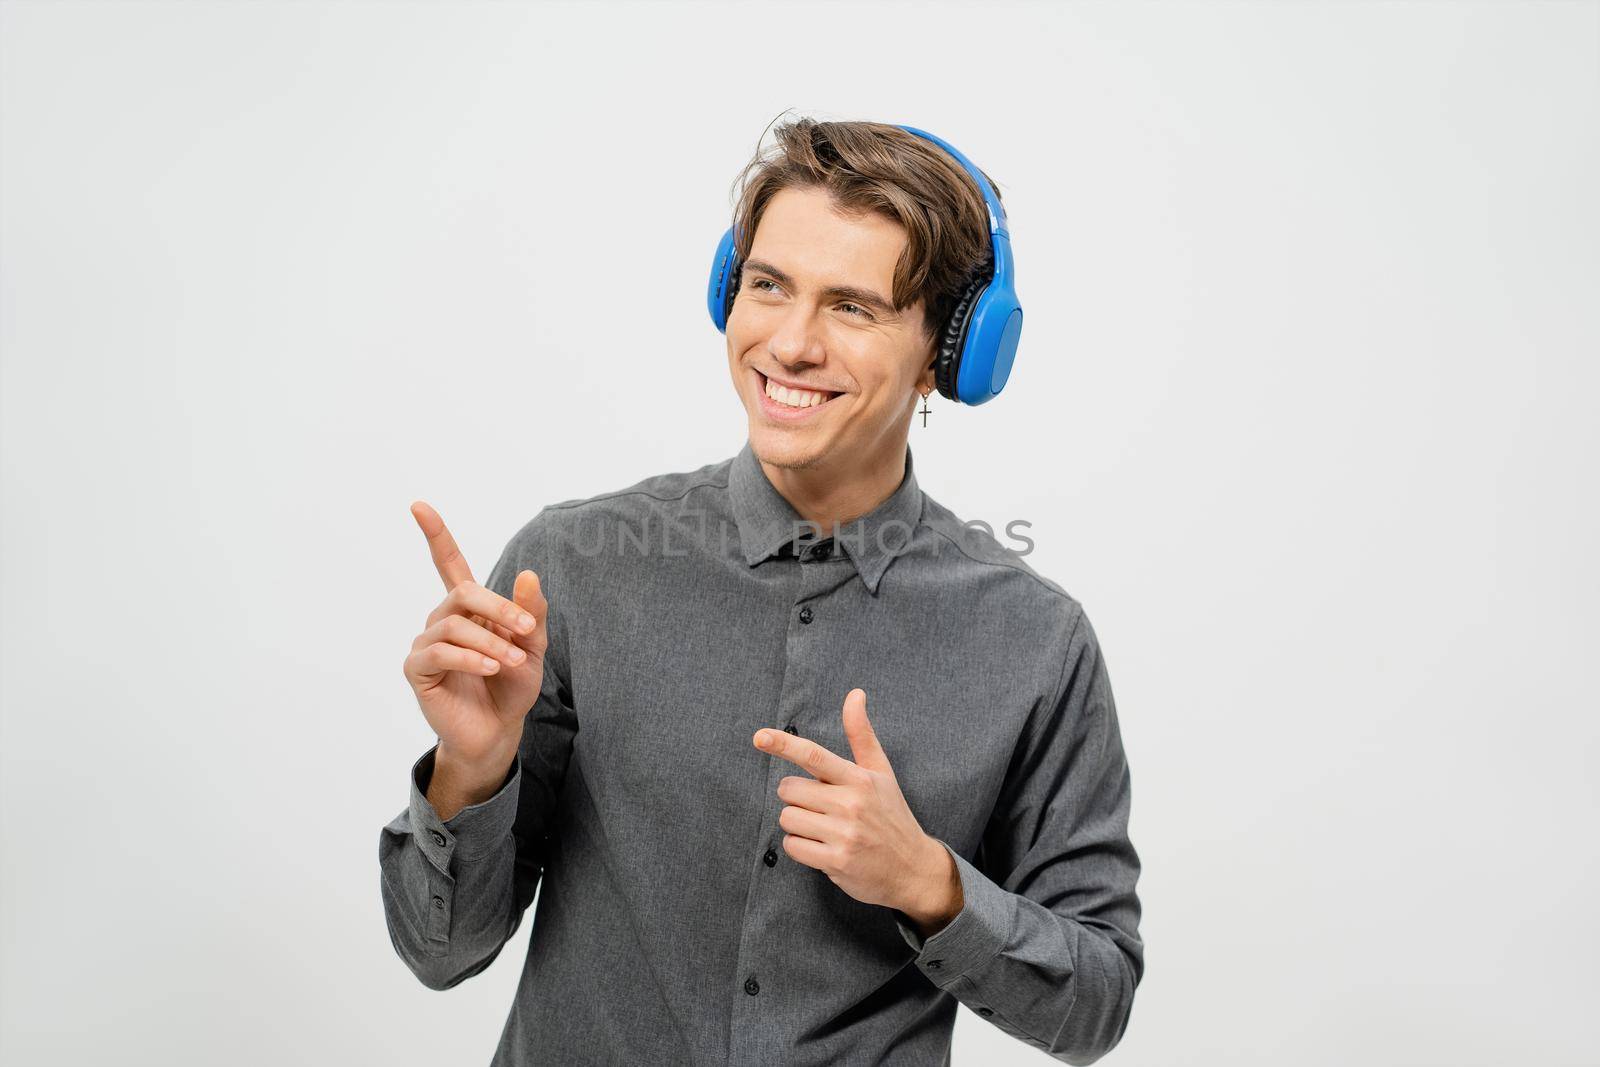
{"x":786,"y":459}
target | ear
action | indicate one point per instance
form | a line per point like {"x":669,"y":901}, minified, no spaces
{"x":926,"y":382}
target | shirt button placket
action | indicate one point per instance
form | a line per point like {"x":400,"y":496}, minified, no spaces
{"x":766,"y":904}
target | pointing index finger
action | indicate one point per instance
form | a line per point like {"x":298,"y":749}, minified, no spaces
{"x":821,"y":763}
{"x":447,"y":557}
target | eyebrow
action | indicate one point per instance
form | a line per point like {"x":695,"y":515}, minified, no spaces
{"x":865,"y":297}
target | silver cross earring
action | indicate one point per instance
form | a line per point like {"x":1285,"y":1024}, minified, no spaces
{"x":924,"y":412}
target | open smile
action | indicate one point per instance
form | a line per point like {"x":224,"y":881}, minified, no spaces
{"x":787,"y":404}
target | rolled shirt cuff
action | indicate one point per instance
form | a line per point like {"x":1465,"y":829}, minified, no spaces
{"x":474,"y":830}
{"x":974,"y":937}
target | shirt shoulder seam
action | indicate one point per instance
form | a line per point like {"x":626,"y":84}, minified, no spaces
{"x":1048,"y":586}
{"x":569,"y":505}
{"x":1060,"y":692}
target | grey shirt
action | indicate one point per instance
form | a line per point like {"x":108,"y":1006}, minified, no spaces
{"x":687,"y":612}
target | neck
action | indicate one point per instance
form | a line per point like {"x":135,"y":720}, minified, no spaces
{"x":836,"y":493}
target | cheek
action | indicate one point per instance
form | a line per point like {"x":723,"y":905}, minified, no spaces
{"x":743,"y":333}
{"x":886,"y":376}
{"x":882,"y":387}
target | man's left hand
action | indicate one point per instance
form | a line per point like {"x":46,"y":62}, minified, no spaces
{"x":851,"y":822}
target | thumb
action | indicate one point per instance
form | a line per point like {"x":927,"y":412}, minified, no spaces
{"x":863,"y":738}
{"x":528,"y":593}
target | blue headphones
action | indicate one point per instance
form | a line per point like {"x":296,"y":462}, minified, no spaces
{"x":979,"y":342}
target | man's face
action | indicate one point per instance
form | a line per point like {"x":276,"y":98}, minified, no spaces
{"x":807,"y":315}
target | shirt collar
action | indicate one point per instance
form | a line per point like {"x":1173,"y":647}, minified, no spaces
{"x":768,"y":522}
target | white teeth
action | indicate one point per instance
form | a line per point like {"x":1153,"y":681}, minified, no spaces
{"x":795,"y":398}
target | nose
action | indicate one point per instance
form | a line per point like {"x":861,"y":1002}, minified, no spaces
{"x":796,"y":340}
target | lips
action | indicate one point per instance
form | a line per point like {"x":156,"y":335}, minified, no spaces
{"x":778,"y":401}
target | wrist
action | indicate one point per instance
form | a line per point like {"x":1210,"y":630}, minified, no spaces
{"x":938,"y":898}
{"x":459,"y":783}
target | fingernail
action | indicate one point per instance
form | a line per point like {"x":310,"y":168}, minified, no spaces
{"x":515,"y":656}
{"x":525,"y":621}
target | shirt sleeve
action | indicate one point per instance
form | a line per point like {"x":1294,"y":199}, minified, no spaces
{"x":1046,"y":946}
{"x":454,"y":891}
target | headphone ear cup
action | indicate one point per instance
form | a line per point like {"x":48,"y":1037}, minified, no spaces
{"x":947,"y":363}
{"x":734,"y":270}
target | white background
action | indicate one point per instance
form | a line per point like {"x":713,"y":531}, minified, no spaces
{"x":1302,"y":413}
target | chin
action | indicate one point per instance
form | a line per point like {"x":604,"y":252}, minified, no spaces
{"x":785,"y":448}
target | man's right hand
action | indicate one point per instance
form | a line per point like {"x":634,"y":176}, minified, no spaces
{"x":476,"y":669}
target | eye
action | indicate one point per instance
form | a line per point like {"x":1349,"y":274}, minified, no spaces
{"x":855,"y":309}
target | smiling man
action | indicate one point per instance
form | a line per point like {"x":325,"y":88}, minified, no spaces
{"x":796,"y":760}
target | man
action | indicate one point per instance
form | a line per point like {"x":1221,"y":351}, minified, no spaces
{"x":790,"y":797}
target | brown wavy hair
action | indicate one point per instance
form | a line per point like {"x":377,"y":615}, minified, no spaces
{"x":876,"y":167}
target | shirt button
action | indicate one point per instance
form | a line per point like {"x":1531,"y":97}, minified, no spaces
{"x":818,"y":551}
{"x":751,"y":986}
{"x":438,"y":838}
{"x":790,"y":728}
{"x":985,"y":1012}
{"x":438,"y":902}
{"x":771,"y":858}
{"x":936,"y":964}
{"x":806,"y":615}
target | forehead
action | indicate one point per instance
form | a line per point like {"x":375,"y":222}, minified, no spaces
{"x":802,"y":232}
